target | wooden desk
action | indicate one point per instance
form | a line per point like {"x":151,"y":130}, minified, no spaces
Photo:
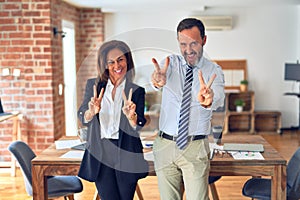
{"x":273,"y":165}
{"x":48,"y":163}
{"x":16,"y":134}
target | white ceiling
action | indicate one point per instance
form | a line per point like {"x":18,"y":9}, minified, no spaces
{"x":166,"y":5}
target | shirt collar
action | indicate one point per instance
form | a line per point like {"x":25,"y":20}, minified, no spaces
{"x":122,"y":85}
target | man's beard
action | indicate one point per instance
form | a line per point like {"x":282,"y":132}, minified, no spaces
{"x":198,"y":57}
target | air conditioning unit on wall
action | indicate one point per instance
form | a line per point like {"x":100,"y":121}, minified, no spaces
{"x":216,"y":23}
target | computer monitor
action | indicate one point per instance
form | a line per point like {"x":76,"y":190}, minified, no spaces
{"x":292,"y":72}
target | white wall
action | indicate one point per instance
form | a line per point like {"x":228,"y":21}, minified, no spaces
{"x":266,"y":36}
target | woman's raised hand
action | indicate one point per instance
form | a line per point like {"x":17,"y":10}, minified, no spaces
{"x":128,"y":107}
{"x":95,"y":102}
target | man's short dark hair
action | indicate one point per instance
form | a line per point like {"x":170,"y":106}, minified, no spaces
{"x":189,"y":23}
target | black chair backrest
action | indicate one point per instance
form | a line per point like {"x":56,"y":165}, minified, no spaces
{"x":293,"y":176}
{"x":23,"y":154}
{"x":1,"y":107}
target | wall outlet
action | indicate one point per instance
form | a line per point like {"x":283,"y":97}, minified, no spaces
{"x":5,"y":71}
{"x":16,"y":72}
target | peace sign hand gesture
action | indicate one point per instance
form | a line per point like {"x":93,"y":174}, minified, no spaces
{"x":94,"y":104}
{"x":129,"y":107}
{"x":205,"y":95}
{"x":158,"y":77}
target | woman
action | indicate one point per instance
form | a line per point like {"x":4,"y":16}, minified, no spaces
{"x":113,"y":158}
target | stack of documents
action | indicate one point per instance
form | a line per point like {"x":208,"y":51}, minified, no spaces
{"x":243,"y":147}
{"x":73,"y":154}
{"x":239,"y":151}
{"x":243,"y":155}
{"x":66,"y":144}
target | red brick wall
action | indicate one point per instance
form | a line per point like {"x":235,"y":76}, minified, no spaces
{"x":59,"y":11}
{"x":13,"y":42}
{"x":27,"y":43}
{"x":92,"y":31}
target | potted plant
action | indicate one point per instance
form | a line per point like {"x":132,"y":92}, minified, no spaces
{"x":243,"y":85}
{"x":239,"y":103}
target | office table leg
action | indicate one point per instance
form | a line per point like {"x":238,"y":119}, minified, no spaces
{"x":139,"y":192}
{"x":96,"y":196}
{"x":39,"y":183}
{"x":279,"y":183}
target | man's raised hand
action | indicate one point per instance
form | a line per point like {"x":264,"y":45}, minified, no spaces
{"x":205,"y":95}
{"x":158,"y":77}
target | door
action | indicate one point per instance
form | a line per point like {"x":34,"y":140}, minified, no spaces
{"x":69,"y":63}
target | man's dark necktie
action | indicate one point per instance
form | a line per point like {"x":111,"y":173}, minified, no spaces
{"x":183,"y":127}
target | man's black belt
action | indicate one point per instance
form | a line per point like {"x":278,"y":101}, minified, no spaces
{"x":173,"y":138}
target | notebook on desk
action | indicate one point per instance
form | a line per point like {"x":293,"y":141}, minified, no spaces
{"x":81,"y":146}
{"x":243,"y":147}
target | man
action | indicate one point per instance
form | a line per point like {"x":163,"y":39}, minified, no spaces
{"x":192,"y":87}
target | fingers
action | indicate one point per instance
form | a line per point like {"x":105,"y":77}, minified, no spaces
{"x":164,"y":69}
{"x":124,"y":96}
{"x":167,"y":62}
{"x":158,"y":77}
{"x":130,"y":94}
{"x":128,"y":107}
{"x":95,"y":102}
{"x":157,"y":68}
{"x":201,"y":78}
{"x":211,"y":80}
{"x":205,"y":95}
{"x":101,"y":94}
{"x":95,"y":91}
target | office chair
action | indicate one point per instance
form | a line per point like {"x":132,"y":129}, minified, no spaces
{"x":58,"y":186}
{"x":1,"y":107}
{"x":260,"y":188}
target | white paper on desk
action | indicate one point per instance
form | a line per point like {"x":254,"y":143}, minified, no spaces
{"x":65,"y":144}
{"x":212,"y":148}
{"x":73,"y":154}
{"x":243,"y":155}
{"x":215,"y":146}
{"x":149,"y":156}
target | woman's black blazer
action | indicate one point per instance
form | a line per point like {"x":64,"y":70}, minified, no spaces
{"x":131,"y":164}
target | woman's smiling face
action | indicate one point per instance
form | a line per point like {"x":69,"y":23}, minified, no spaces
{"x":116,"y":64}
